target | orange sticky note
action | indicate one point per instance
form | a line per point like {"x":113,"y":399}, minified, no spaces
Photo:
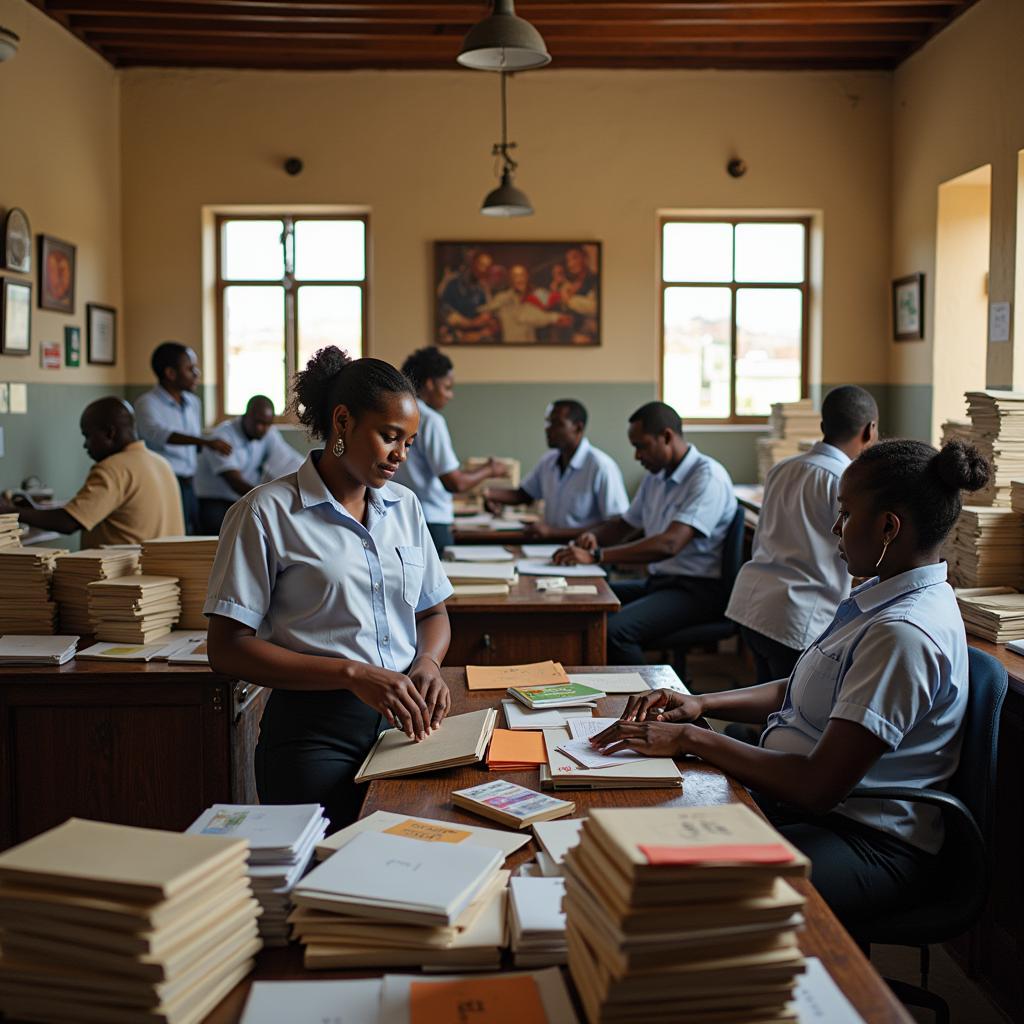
{"x":511,"y":1000}
{"x":427,"y":832}
{"x":515,"y":746}
{"x":720,"y":853}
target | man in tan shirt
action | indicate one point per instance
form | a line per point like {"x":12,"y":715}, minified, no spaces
{"x":129,"y":496}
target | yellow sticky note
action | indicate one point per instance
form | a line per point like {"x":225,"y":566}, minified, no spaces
{"x":512,"y":1000}
{"x":427,"y":832}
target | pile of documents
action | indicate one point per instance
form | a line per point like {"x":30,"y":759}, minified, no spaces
{"x":74,"y":572}
{"x":134,"y":609}
{"x":487,"y":523}
{"x":988,"y":546}
{"x":26,"y":599}
{"x":478,"y":553}
{"x":281,"y":843}
{"x":536,"y":922}
{"x":993,"y":613}
{"x":621,"y":771}
{"x":104,"y":923}
{"x":481,"y":573}
{"x":956,"y":430}
{"x":515,"y":751}
{"x":555,"y":839}
{"x":792,"y":424}
{"x":1017,"y":495}
{"x":518,"y":716}
{"x":511,"y":804}
{"x":176,"y":644}
{"x":385,"y":899}
{"x":190,"y":560}
{"x":685,"y":907}
{"x":997,"y":418}
{"x":557,"y":695}
{"x":37,"y":650}
{"x":10,"y":530}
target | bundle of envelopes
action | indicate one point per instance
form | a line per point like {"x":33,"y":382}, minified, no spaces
{"x":536,"y":922}
{"x":190,"y":559}
{"x":387,"y":900}
{"x":74,"y":572}
{"x":26,"y":598}
{"x":134,"y":609}
{"x":988,"y":546}
{"x":10,"y":530}
{"x":993,"y":613}
{"x":997,"y":419}
{"x":683,"y":914}
{"x":108,"y":924}
{"x":281,"y":843}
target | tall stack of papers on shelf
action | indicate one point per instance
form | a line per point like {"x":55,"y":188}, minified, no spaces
{"x":105,"y":923}
{"x":997,"y":418}
{"x":791,"y":424}
{"x":281,"y":843}
{"x":26,"y":597}
{"x":37,"y":650}
{"x":190,"y":559}
{"x":481,"y":572}
{"x":536,"y":922}
{"x":686,"y":907}
{"x":1017,"y":495}
{"x":993,"y":613}
{"x":75,"y":571}
{"x":956,"y":430}
{"x":562,"y":772}
{"x":10,"y":530}
{"x":384,"y":899}
{"x":134,"y":609}
{"x":989,"y":547}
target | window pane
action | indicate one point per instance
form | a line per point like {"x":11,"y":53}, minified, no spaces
{"x":697,"y":252}
{"x":770,"y":252}
{"x":330,"y":250}
{"x":696,"y":369}
{"x":253,"y":250}
{"x":330,"y":315}
{"x":254,"y":345}
{"x":768,"y":348}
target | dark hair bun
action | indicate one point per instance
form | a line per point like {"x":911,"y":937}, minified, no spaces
{"x":961,"y":467}
{"x":327,"y":362}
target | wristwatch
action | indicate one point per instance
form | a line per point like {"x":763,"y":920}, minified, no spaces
{"x":597,"y":556}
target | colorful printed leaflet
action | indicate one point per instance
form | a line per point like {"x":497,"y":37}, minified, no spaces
{"x":511,"y":804}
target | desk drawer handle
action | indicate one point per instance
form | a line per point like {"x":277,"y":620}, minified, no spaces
{"x":488,"y":642}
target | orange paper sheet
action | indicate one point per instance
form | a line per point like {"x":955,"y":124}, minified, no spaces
{"x":501,"y":677}
{"x":516,"y":747}
{"x":511,"y":1000}
{"x":737,"y":853}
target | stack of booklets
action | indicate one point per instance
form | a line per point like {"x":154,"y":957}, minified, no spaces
{"x":515,"y":751}
{"x":997,"y":418}
{"x":461,"y":739}
{"x":956,"y":430}
{"x":281,"y":843}
{"x":536,"y":922}
{"x":563,"y":772}
{"x":511,"y":804}
{"x":26,"y":598}
{"x":387,"y":900}
{"x":10,"y":530}
{"x":558,"y":695}
{"x":37,"y":650}
{"x":190,"y":559}
{"x":134,"y":609}
{"x":518,"y":716}
{"x":106,"y":923}
{"x":555,"y":839}
{"x":993,"y":613}
{"x":481,"y":573}
{"x":791,"y":424}
{"x":989,"y":546}
{"x":685,"y":907}
{"x":175,"y":644}
{"x":74,"y":572}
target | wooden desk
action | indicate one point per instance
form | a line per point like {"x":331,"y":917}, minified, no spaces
{"x":468,"y":536}
{"x":428,"y":795}
{"x":137,"y":744}
{"x":531,"y":625}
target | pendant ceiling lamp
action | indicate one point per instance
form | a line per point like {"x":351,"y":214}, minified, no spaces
{"x":506,"y":200}
{"x":503,"y":42}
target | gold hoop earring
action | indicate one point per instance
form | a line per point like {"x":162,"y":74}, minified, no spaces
{"x":886,"y":541}
{"x":339,"y":448}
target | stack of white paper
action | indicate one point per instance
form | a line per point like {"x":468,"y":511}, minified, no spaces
{"x":537,"y":567}
{"x":477,"y":553}
{"x":519,"y":717}
{"x":993,"y":613}
{"x":26,"y":597}
{"x":988,"y":547}
{"x":540,"y":552}
{"x":281,"y":843}
{"x":37,"y":650}
{"x":134,"y":609}
{"x":480,"y":572}
{"x":562,"y":772}
{"x":72,"y":575}
{"x":10,"y":530}
{"x":190,"y":559}
{"x":997,"y":418}
{"x":537,"y":922}
{"x":356,"y":1001}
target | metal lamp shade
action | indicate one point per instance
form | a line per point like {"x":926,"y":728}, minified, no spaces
{"x":506,"y":200}
{"x":503,"y":42}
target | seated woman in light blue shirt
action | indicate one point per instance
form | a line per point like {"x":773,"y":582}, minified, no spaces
{"x":878,"y":699}
{"x":326,"y":588}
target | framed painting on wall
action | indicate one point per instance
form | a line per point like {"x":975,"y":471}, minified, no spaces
{"x":517,"y":293}
{"x":56,"y":275}
{"x":15,"y":317}
{"x":101,"y":334}
{"x":908,"y":308}
{"x":16,"y":243}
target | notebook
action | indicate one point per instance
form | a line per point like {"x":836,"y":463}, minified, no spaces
{"x":501,"y":677}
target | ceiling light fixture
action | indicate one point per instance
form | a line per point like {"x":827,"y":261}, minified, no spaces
{"x":503,"y":42}
{"x":8,"y":43}
{"x":506,"y":200}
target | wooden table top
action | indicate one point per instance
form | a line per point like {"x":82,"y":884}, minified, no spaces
{"x":1013,"y":663}
{"x":471,"y":535}
{"x":428,"y":795}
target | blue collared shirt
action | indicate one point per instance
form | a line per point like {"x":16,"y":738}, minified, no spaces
{"x":158,"y":415}
{"x":795,"y":579}
{"x":248,"y":455}
{"x":894,"y":660}
{"x":296,"y":566}
{"x":430,"y":457}
{"x":588,"y":492}
{"x":698,"y":492}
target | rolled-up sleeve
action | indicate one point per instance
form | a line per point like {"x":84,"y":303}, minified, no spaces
{"x":611,"y":492}
{"x":153,"y":429}
{"x":436,"y":586}
{"x":437,"y":448}
{"x":711,"y":498}
{"x":102,"y":493}
{"x":532,"y":483}
{"x":634,"y":515}
{"x":244,"y":570}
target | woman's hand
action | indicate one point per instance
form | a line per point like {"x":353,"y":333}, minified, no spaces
{"x":663,"y":706}
{"x":426,"y":677}
{"x":656,"y":739}
{"x":572,"y":555}
{"x":395,"y":696}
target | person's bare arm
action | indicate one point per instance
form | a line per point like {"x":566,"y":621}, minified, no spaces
{"x":507,"y":496}
{"x":221,"y":447}
{"x":433,"y":635}
{"x":234,"y":479}
{"x":458,"y":481}
{"x":750,"y":704}
{"x":641,"y":552}
{"x":55,"y":519}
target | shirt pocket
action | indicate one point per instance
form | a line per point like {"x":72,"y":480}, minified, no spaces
{"x":412,"y":572}
{"x":814,"y":688}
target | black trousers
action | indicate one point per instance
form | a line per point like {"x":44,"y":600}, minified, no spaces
{"x":311,"y":745}
{"x":772,"y":660}
{"x":189,"y":505}
{"x":656,"y":607}
{"x":441,"y":535}
{"x":211,"y":515}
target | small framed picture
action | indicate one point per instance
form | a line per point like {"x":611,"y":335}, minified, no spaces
{"x":15,"y":317}
{"x":16,"y":243}
{"x":50,"y":355}
{"x":101,"y":334}
{"x":72,"y":346}
{"x":56,"y":275}
{"x":908,"y":308}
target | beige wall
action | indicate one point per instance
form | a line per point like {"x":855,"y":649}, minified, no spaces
{"x":957,"y":105}
{"x":60,"y":161}
{"x":601,"y":153}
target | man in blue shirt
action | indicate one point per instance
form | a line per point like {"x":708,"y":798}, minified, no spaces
{"x":680,"y":515}
{"x":170,"y":420}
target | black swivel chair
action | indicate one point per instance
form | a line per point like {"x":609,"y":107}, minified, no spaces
{"x":707,"y":634}
{"x":954,"y":901}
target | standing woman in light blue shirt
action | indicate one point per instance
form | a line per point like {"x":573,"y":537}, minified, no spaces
{"x":326,"y":588}
{"x":432,"y":470}
{"x":878,"y":698}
